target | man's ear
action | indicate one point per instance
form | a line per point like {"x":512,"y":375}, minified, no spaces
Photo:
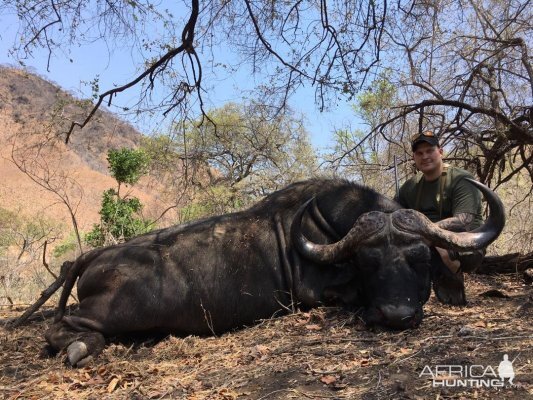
{"x":441,"y":151}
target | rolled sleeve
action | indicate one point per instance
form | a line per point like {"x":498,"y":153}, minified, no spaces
{"x":466,"y":198}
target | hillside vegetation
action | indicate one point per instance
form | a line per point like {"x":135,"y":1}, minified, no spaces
{"x":32,"y":109}
{"x":32,"y":204}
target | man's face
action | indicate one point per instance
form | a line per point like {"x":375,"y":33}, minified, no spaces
{"x":428,"y":158}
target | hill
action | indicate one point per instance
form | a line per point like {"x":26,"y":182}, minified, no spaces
{"x":33,"y":112}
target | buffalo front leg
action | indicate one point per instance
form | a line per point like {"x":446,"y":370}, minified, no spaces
{"x":82,"y":346}
{"x":449,"y":287}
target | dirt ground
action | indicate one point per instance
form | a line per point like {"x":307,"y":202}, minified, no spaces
{"x":323,"y":354}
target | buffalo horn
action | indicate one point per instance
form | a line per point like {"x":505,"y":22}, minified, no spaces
{"x":364,"y":229}
{"x":415,"y":222}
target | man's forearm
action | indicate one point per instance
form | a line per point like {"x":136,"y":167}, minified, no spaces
{"x":458,"y":223}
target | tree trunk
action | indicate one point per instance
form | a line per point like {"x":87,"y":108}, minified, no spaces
{"x":506,"y":264}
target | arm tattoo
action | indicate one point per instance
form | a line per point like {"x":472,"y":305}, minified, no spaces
{"x":458,"y":223}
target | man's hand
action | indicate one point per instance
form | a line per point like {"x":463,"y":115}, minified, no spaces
{"x":453,"y":265}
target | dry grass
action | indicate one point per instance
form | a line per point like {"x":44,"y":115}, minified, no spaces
{"x":323,"y":354}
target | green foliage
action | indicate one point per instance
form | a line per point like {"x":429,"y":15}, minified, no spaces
{"x":346,"y":140}
{"x":118,"y":220}
{"x":96,"y":237}
{"x":376,"y":101}
{"x":212,"y":201}
{"x":25,"y":235}
{"x":7,"y":220}
{"x":164,"y":156}
{"x":223,"y":164}
{"x":68,"y":245}
{"x":194,"y":211}
{"x":378,"y":97}
{"x":363,"y":155}
{"x":253,"y":147}
{"x":127,"y":165}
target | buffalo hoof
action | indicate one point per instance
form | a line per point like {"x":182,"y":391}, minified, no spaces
{"x":450,"y":289}
{"x":77,"y":354}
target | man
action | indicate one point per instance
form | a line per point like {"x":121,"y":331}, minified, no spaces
{"x":440,"y":192}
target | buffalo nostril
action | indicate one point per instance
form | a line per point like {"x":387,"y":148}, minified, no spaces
{"x":399,"y":316}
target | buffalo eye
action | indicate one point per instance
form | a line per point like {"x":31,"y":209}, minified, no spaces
{"x":417,"y":254}
{"x":418,"y":257}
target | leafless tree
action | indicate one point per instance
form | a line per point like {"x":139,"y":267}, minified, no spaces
{"x":48,"y":175}
{"x":468,"y":76}
{"x":462,"y":68}
{"x":332,"y":45}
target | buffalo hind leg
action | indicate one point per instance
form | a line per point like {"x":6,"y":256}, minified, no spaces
{"x":82,"y":346}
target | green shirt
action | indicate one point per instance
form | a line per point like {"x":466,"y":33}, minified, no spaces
{"x":458,"y":196}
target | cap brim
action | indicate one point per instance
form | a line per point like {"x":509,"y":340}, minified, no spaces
{"x":432,"y":140}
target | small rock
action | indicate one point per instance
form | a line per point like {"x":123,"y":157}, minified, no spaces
{"x":399,"y":386}
{"x":466,"y":331}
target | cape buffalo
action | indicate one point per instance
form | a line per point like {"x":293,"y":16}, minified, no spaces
{"x":319,"y":242}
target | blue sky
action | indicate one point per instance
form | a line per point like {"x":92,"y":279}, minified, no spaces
{"x":83,"y":64}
